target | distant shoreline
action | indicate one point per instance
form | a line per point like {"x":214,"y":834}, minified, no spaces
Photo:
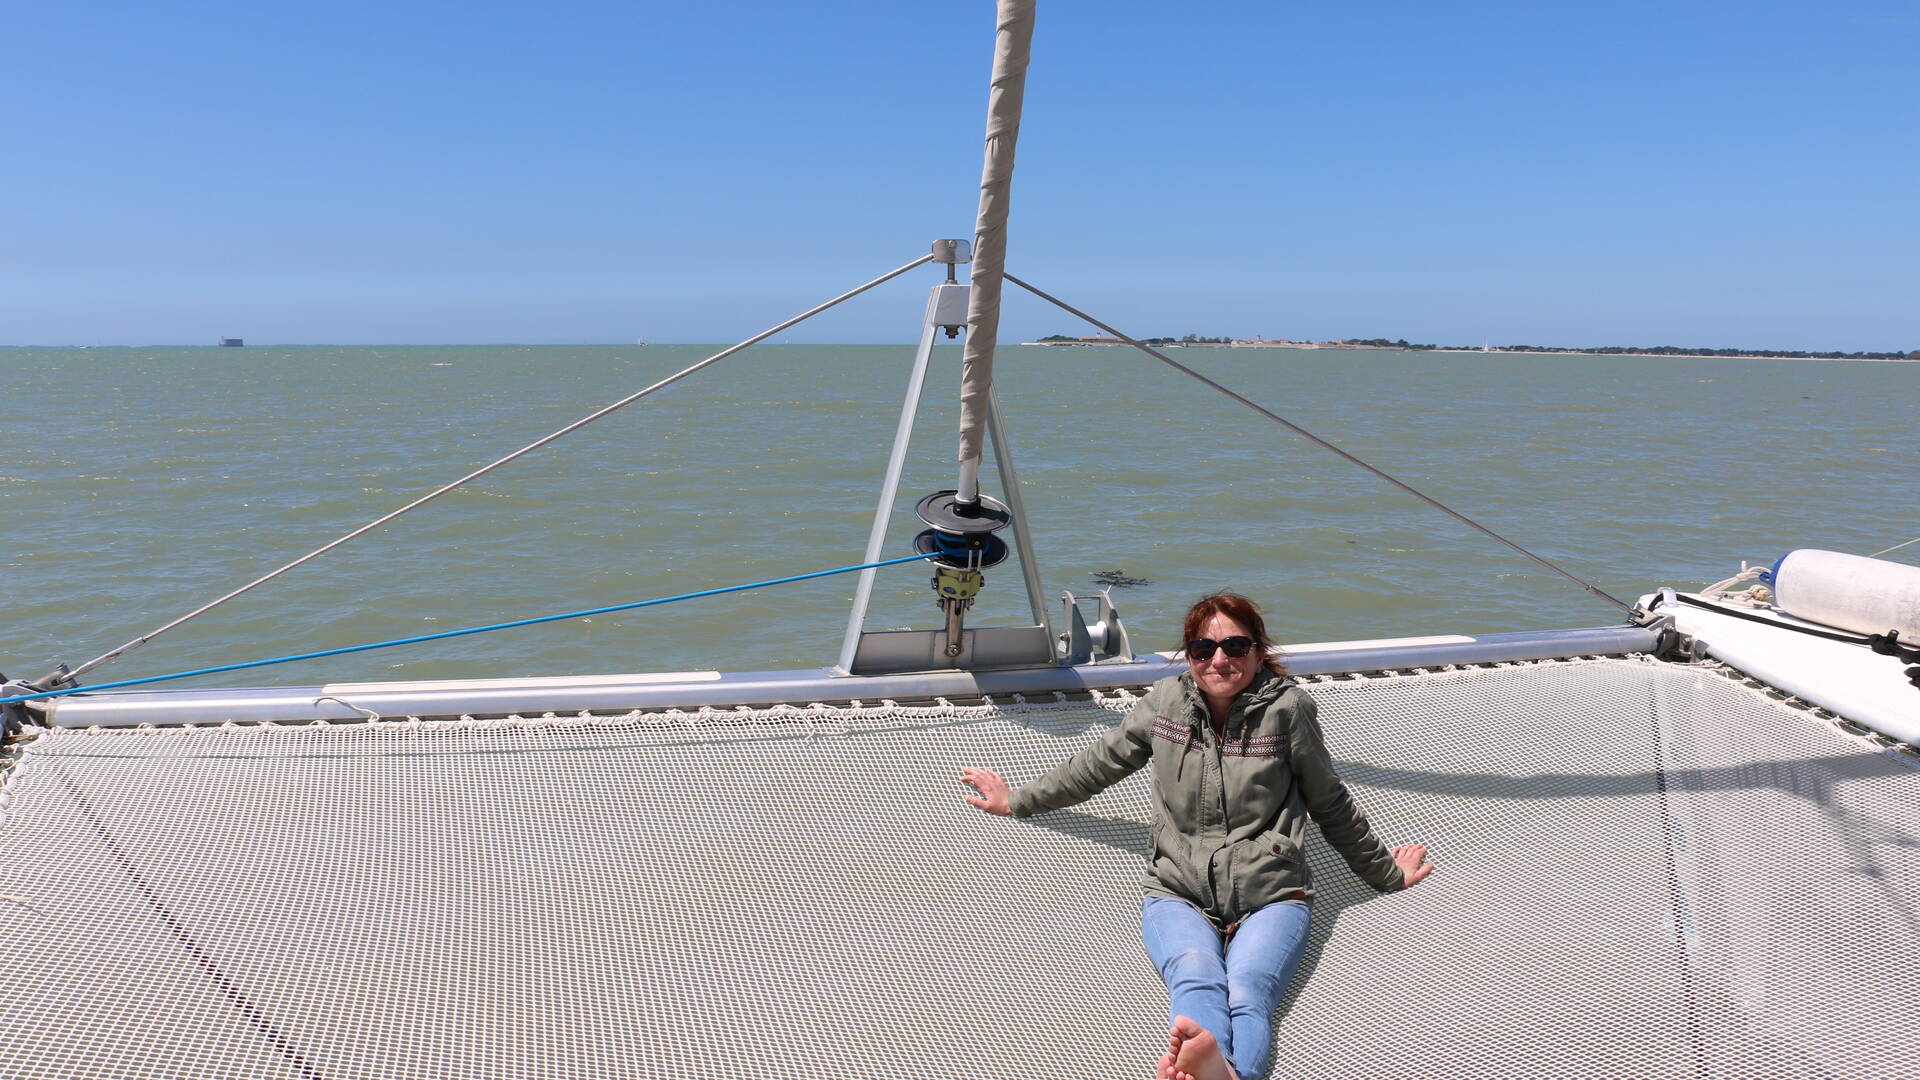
{"x":1498,"y":351}
{"x":1300,"y":346}
{"x":1671,"y":356}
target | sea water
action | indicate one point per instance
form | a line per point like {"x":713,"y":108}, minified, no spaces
{"x":138,"y":484}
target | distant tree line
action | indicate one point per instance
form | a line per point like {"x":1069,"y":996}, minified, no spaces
{"x":1385,"y":344}
{"x":1190,"y":339}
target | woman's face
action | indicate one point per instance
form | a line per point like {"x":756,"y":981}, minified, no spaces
{"x":1220,"y":676}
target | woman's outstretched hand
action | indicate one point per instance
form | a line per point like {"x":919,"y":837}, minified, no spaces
{"x":993,"y":791}
{"x":1412,"y":861}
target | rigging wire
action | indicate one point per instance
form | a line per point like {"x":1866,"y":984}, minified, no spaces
{"x":1310,"y":436}
{"x":1896,"y":547}
{"x":453,"y":633}
{"x":112,"y":654}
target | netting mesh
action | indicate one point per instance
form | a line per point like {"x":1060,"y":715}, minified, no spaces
{"x":1644,"y":870}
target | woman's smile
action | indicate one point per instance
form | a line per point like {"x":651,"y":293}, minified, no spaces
{"x":1221,"y":677}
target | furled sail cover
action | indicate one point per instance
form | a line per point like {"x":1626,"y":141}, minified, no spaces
{"x":1644,"y":871}
{"x":1012,"y":47}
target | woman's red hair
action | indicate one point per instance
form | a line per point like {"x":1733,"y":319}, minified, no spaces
{"x":1240,"y":610}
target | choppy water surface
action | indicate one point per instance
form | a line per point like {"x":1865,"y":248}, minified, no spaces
{"x":139,"y":483}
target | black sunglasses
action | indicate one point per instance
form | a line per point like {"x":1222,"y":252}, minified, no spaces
{"x":1201,"y":649}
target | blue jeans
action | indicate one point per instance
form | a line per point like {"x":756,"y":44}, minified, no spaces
{"x":1229,"y":988}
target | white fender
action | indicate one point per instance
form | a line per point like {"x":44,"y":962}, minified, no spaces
{"x":1851,"y":592}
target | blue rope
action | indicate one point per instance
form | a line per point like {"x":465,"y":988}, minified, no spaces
{"x":455,"y":633}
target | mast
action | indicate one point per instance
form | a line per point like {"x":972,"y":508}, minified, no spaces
{"x":1013,"y":44}
{"x":960,"y":539}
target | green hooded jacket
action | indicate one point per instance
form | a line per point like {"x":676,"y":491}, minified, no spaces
{"x":1230,"y":813}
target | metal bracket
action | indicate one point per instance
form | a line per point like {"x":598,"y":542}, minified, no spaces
{"x":891,"y":652}
{"x":1671,"y":643}
{"x":1106,"y":636}
{"x":17,"y":717}
{"x":865,"y":653}
{"x":951,"y":253}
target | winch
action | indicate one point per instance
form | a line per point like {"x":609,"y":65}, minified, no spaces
{"x":962,"y":544}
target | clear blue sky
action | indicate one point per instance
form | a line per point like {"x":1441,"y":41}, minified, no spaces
{"x":414,"y":171}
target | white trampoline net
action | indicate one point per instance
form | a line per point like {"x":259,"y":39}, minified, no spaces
{"x":1643,"y":871}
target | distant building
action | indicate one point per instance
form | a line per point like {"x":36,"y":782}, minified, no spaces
{"x":232,"y":342}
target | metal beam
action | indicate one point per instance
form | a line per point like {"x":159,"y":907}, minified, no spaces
{"x":352,"y":702}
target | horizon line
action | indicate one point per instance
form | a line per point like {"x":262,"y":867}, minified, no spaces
{"x":1358,"y":344}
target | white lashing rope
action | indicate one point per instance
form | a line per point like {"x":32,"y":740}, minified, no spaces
{"x":1756,"y":596}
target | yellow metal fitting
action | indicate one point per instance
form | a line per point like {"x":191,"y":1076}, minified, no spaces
{"x":952,"y":584}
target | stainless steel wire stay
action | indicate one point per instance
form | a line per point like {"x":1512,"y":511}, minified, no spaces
{"x":66,"y":676}
{"x":965,"y":546}
{"x":948,"y":308}
{"x":561,"y":875}
{"x":1318,"y":441}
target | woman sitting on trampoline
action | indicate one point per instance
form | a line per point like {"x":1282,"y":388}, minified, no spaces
{"x":1239,"y":765}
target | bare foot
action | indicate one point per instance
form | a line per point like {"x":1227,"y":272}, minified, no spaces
{"x":1196,"y":1054}
{"x":1164,"y":1069}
